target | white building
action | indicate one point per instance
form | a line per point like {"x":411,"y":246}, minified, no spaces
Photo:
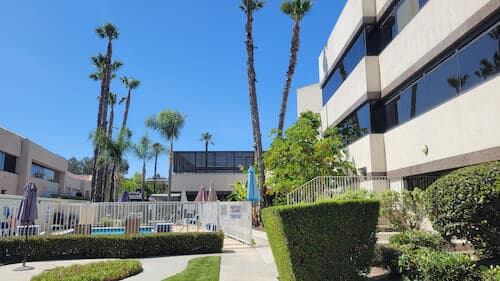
{"x":417,"y":80}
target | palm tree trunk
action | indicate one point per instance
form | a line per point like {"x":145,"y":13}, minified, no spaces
{"x":108,"y":174}
{"x":170,"y":168}
{"x":253,"y":102}
{"x":125,"y":113}
{"x":206,"y":156}
{"x":154,"y":177}
{"x":294,"y":50}
{"x":112,"y":184}
{"x":143,"y":179}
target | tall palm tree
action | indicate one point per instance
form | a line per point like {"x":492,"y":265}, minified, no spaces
{"x":207,"y":138}
{"x":130,"y":84}
{"x":169,"y":124}
{"x":113,"y":153}
{"x":142,"y":150}
{"x":158,"y":149}
{"x":249,"y":7}
{"x":296,"y":9}
{"x":109,"y":31}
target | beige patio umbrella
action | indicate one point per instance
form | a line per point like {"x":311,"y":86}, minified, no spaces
{"x":212,"y":194}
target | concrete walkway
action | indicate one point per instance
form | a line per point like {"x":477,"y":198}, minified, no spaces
{"x":239,"y":263}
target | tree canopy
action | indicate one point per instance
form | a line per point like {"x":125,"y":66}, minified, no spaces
{"x":303,"y":154}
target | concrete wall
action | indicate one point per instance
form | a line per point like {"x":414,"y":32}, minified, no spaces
{"x":361,"y":85}
{"x":381,"y":7}
{"x":309,"y":98}
{"x":192,"y":182}
{"x":369,"y":152}
{"x":436,"y":26}
{"x":355,"y":12}
{"x":10,"y":143}
{"x":8,"y":182}
{"x":463,"y":125}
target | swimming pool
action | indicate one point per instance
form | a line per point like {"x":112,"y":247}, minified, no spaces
{"x":116,"y":230}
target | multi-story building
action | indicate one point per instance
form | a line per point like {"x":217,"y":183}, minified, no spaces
{"x":415,"y":82}
{"x":22,"y":161}
{"x":222,"y":169}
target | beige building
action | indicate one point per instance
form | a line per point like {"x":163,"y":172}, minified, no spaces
{"x":415,"y":82}
{"x":22,"y":160}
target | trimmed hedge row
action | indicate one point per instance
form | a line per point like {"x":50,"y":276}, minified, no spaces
{"x":330,"y":240}
{"x":48,"y":247}
{"x":97,"y":271}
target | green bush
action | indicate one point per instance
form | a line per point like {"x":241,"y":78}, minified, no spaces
{"x":466,"y":204}
{"x":49,"y":247}
{"x":491,"y":274}
{"x":354,"y":194}
{"x":419,"y":239}
{"x":331,"y":240}
{"x":404,"y":210}
{"x":424,"y":264}
{"x":98,"y":271}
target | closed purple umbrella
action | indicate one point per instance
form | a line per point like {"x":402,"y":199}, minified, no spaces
{"x":202,"y":195}
{"x":27,"y":214}
{"x":124,"y":197}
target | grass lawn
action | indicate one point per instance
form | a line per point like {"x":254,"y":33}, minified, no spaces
{"x":199,"y":269}
{"x":97,"y":271}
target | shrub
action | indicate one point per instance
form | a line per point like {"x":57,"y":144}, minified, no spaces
{"x":321,"y":241}
{"x":354,"y":194}
{"x":425,"y":264}
{"x":466,"y":204}
{"x":419,"y":239}
{"x":491,"y":274}
{"x":404,"y":210}
{"x":98,"y":271}
{"x":45,"y":247}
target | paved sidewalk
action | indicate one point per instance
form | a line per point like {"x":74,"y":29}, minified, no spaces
{"x":249,"y":264}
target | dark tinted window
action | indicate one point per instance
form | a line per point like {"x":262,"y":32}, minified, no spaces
{"x":7,"y":162}
{"x":38,"y":171}
{"x":437,"y":86}
{"x":391,"y":113}
{"x":480,"y":60}
{"x":218,"y":161}
{"x":345,"y":66}
{"x":356,"y":125}
{"x":404,"y":105}
{"x":387,"y":30}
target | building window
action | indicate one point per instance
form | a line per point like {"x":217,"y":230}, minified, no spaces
{"x":7,"y":162}
{"x":466,"y":67}
{"x":356,"y":125}
{"x":40,"y":172}
{"x":401,"y":13}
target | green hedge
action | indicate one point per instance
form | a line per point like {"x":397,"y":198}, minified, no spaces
{"x":97,"y":271}
{"x":49,"y":247}
{"x":425,"y":264}
{"x":419,"y":239}
{"x":466,"y":204}
{"x":491,"y":274}
{"x":331,"y":240}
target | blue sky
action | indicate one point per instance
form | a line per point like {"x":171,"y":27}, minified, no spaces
{"x":189,"y":56}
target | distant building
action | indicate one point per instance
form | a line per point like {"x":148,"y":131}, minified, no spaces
{"x":415,"y":81}
{"x":221,"y":168}
{"x":22,"y":160}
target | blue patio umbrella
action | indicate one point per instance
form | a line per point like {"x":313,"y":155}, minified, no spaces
{"x":124,"y":197}
{"x":27,"y":214}
{"x":252,"y":188}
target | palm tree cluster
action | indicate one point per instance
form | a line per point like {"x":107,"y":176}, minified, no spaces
{"x":109,"y":151}
{"x":296,"y":9}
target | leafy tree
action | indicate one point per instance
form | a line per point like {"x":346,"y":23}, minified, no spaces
{"x":296,"y":9}
{"x":207,"y":138}
{"x":113,"y":152}
{"x":239,"y":193}
{"x":130,"y":84}
{"x":169,"y":124}
{"x":143,"y":151}
{"x":249,"y":7}
{"x":158,"y":149}
{"x":74,"y":166}
{"x":301,"y":155}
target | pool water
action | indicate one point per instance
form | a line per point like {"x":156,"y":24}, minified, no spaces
{"x":117,"y":230}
